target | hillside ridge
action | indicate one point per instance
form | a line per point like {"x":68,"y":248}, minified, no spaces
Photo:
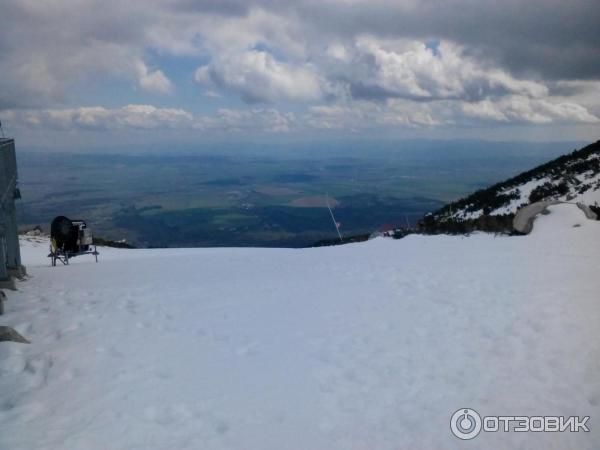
{"x":573,"y":177}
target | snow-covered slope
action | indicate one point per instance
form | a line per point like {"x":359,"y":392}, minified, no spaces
{"x":364,"y":346}
{"x":573,"y":177}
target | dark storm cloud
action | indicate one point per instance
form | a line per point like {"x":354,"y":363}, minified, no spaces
{"x":554,"y":39}
{"x":548,"y":38}
{"x":224,"y":7}
{"x":47,"y":46}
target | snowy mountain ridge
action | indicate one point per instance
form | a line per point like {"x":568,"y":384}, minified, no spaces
{"x":574,"y":177}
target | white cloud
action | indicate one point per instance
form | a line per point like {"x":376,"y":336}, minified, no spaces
{"x":484,"y":110}
{"x":350,"y":116}
{"x":523,"y":109}
{"x":258,"y":77}
{"x":411,"y":69}
{"x":253,"y":120}
{"x":148,"y":117}
{"x":364,"y":114}
{"x":338,"y":51}
{"x":405,"y":114}
{"x":212,"y":94}
{"x":100,"y":118}
{"x":153,"y":81}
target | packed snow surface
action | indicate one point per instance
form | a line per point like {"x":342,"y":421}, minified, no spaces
{"x":363,"y":346}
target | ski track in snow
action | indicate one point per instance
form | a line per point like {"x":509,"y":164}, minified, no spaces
{"x":363,"y":346}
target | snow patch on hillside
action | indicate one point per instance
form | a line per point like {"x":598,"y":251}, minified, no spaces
{"x":523,"y":191}
{"x":574,"y":178}
{"x":370,"y":345}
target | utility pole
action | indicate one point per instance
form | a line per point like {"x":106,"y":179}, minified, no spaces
{"x":335,"y":224}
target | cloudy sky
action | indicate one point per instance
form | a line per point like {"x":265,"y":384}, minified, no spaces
{"x":74,"y":70}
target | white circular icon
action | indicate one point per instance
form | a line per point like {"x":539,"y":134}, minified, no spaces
{"x":465,"y":423}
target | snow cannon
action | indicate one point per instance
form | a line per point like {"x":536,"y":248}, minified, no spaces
{"x":70,"y":238}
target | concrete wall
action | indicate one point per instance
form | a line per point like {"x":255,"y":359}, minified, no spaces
{"x":10,"y":254}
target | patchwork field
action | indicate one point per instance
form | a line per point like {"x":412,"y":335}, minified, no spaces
{"x":258,"y":198}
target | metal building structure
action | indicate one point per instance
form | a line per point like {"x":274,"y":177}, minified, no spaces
{"x":10,"y":254}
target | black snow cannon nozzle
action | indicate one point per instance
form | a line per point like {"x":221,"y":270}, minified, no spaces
{"x":70,"y":238}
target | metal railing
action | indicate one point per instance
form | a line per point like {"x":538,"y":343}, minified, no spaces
{"x":10,"y":255}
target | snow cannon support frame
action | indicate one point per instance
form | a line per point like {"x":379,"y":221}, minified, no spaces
{"x":70,"y":238}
